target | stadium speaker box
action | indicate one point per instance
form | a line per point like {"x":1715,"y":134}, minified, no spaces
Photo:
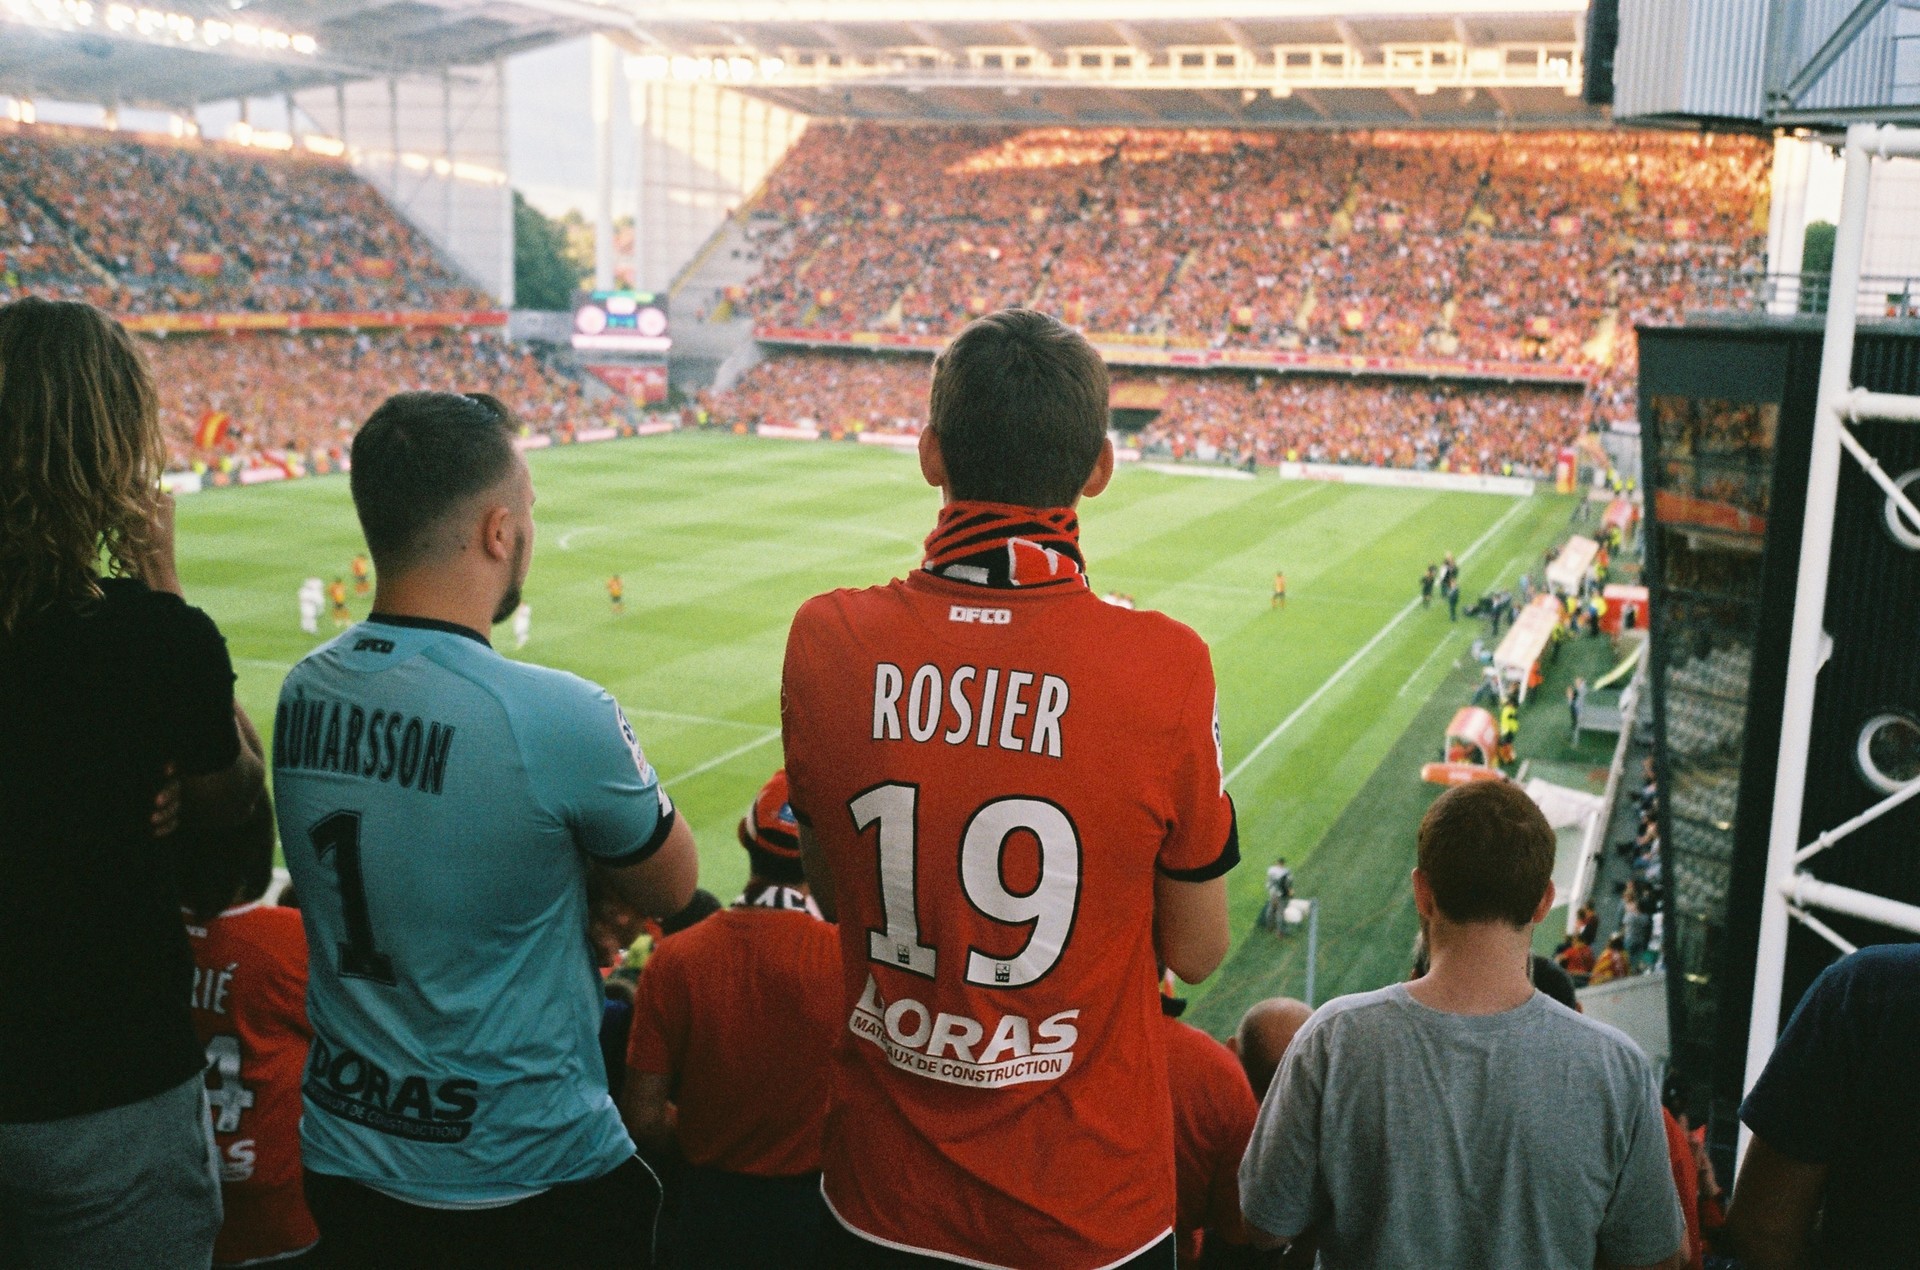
{"x":1603,"y":37}
{"x":1727,"y":419}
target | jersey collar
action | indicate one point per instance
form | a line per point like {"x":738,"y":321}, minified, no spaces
{"x":428,"y":624}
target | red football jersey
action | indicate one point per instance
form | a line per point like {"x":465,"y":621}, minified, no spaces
{"x":741,"y":1010}
{"x":250,"y":1008}
{"x":1213,"y":1114}
{"x":994,"y":776}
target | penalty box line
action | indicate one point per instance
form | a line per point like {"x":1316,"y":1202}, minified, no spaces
{"x":1313,"y":698}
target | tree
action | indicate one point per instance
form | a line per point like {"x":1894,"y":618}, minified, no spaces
{"x":544,"y":274}
{"x":1816,"y":256}
{"x":1816,"y":266}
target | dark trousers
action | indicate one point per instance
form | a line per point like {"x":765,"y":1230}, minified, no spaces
{"x":732,"y":1221}
{"x":844,"y":1250}
{"x":605,"y":1223}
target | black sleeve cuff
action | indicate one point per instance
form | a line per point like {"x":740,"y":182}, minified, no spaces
{"x":1224,"y":862}
{"x":654,"y":842}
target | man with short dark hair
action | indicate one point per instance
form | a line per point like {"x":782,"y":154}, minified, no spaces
{"x":444,"y":812}
{"x":1445,"y":1150}
{"x":727,"y":1061}
{"x":1010,"y":793}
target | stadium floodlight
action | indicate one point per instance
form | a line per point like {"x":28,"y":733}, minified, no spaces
{"x":157,"y":26}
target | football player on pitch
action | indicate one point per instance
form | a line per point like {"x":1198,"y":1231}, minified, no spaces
{"x":1009,"y":823}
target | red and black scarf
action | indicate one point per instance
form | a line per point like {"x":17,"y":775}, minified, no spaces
{"x":1001,"y":545}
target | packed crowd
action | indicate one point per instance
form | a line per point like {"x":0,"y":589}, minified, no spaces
{"x":967,"y":1055}
{"x":1209,"y":416}
{"x":1515,"y":247}
{"x":830,"y":391}
{"x":1375,"y":422}
{"x":145,"y":225}
{"x":1506,"y":246}
{"x":306,"y":393}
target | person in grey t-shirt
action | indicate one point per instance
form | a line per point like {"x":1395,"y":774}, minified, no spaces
{"x":1465,"y":1119}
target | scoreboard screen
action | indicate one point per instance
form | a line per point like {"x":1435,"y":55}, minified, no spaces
{"x":622,"y":322}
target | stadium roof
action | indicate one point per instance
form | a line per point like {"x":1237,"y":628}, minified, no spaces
{"x":1257,"y":63}
{"x":1141,"y":62}
{"x":174,"y":53}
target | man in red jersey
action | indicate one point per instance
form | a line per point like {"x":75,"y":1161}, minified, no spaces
{"x":1010,"y":795}
{"x":250,"y":1010}
{"x":1213,"y":1114}
{"x":733,"y":1020}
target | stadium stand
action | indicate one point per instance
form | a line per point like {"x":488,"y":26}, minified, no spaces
{"x":148,"y":227}
{"x":1530,"y":248}
{"x":1382,"y":422}
{"x":306,"y":392}
{"x":144,"y":225}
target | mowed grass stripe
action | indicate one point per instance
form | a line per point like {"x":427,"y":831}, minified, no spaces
{"x":720,"y":538}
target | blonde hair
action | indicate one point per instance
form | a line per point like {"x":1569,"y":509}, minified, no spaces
{"x":80,"y":455}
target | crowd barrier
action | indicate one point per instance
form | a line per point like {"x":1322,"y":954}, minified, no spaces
{"x":1174,"y":357}
{"x":1456,"y":482}
{"x":381,"y":319}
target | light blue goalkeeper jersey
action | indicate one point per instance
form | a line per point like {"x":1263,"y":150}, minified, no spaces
{"x":438,"y":805}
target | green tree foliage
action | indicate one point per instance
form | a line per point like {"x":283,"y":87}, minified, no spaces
{"x":545,"y":276}
{"x":1817,"y":255}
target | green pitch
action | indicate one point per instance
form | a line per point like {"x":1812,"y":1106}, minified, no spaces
{"x":719,"y":538}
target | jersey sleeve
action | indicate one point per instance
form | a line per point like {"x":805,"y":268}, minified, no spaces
{"x":1202,"y":840}
{"x":657,"y":1041}
{"x":599,"y":781}
{"x":198,"y":676}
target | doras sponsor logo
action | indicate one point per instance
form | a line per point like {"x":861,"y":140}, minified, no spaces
{"x":422,"y":1109}
{"x":980,"y":616}
{"x":962,"y":1051}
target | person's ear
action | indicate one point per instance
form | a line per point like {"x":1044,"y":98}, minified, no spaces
{"x":1423,"y":896}
{"x":1545,"y":905}
{"x":497,"y":528}
{"x":933,"y":464}
{"x":1102,"y":471}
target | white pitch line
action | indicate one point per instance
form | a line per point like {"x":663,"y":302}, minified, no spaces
{"x":695,"y":718}
{"x":1281,"y":728}
{"x":566,"y":539}
{"x":773,"y":734}
{"x":1421,"y":669}
{"x":261,"y":663}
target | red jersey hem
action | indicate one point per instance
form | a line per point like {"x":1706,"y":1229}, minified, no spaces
{"x":956,"y":1258}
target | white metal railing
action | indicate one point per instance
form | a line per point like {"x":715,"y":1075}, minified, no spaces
{"x":1790,"y":893}
{"x":1282,"y":68}
{"x":1593,"y":841}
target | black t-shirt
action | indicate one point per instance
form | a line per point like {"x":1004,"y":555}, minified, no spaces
{"x":1840,"y":1091}
{"x":95,"y":972}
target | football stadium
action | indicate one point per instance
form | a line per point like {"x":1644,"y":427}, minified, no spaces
{"x":1074,"y":634}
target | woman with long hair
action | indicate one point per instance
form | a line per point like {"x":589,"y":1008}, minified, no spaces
{"x":117,"y":722}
